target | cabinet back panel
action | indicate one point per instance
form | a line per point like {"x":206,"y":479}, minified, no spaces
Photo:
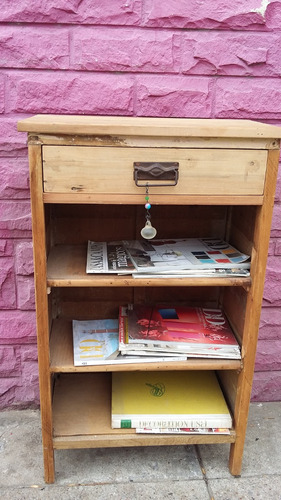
{"x":75,"y":224}
{"x":243,"y":227}
{"x":96,"y":303}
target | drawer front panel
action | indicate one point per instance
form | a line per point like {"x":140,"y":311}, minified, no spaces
{"x":70,"y":169}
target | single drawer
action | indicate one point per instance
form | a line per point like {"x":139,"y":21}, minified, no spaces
{"x":97,"y":170}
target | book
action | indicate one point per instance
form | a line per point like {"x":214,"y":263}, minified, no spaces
{"x":108,"y":257}
{"x":96,"y":342}
{"x":176,"y":255}
{"x":195,"y":331}
{"x":168,"y":399}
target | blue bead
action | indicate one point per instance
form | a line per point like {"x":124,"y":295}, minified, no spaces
{"x":147,"y":206}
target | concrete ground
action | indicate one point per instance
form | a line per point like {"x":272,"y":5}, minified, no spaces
{"x":156,"y":473}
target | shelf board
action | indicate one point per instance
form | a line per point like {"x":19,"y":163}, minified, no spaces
{"x":67,"y":268}
{"x":61,"y":357}
{"x":81,"y":418}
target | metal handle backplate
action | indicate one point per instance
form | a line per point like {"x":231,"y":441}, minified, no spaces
{"x":160,"y":172}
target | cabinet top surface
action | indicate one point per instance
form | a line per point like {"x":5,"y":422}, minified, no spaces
{"x":124,"y":125}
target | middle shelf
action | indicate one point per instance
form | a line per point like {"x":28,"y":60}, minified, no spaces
{"x":67,"y":268}
{"x":61,"y":357}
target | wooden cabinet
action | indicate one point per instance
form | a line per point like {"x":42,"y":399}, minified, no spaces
{"x":82,"y":187}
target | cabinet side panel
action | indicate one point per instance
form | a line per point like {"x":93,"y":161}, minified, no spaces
{"x":39,"y":246}
{"x":261,"y":235}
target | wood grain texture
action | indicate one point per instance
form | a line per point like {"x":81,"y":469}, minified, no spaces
{"x":123,"y":125}
{"x":82,"y":417}
{"x":42,"y":317}
{"x":203,"y":172}
{"x":228,"y":171}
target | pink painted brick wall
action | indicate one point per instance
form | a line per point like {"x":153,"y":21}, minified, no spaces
{"x":126,"y":57}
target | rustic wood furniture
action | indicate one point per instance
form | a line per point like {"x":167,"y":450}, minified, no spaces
{"x":83,"y":187}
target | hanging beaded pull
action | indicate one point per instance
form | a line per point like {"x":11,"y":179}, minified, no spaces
{"x":148,"y":231}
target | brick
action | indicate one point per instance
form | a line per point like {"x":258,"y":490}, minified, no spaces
{"x":248,"y":98}
{"x":11,"y":142}
{"x":270,"y":323}
{"x":24,"y":258}
{"x":267,"y":386}
{"x":15,"y":219}
{"x":273,"y":15}
{"x":25,"y":293}
{"x":26,"y":395}
{"x":39,"y":92}
{"x":17,"y":327}
{"x":271,"y":293}
{"x":7,"y":284}
{"x":9,"y":362}
{"x":271,"y":247}
{"x":2,"y":94}
{"x":206,"y":15}
{"x":223,"y":53}
{"x":30,"y":353}
{"x":276,"y":221}
{"x":70,"y":11}
{"x":14,"y":178}
{"x":278,"y":186}
{"x":268,"y":355}
{"x":18,"y":50}
{"x":7,"y":392}
{"x":125,"y":50}
{"x":277,"y":250}
{"x":6,"y":248}
{"x":173,"y":96}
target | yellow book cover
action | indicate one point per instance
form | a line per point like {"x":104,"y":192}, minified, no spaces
{"x":168,"y":399}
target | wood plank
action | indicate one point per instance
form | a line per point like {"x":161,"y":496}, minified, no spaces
{"x":43,"y":331}
{"x":154,"y":142}
{"x":82,"y":417}
{"x":79,"y":169}
{"x":61,"y":357}
{"x":158,"y":199}
{"x":123,"y":125}
{"x":130,"y":440}
{"x":252,"y":312}
{"x":67,"y":268}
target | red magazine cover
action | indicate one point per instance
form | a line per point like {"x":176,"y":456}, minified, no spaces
{"x":198,"y":325}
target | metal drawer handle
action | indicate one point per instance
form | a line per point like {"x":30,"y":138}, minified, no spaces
{"x":147,"y":171}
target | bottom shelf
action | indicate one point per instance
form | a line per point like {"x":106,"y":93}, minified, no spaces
{"x":82,"y":418}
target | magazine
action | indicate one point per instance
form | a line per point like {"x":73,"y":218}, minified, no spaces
{"x":177,"y":255}
{"x":108,"y":257}
{"x":96,"y":342}
{"x":183,"y":430}
{"x":167,"y":258}
{"x":195,"y":331}
{"x":198,"y":273}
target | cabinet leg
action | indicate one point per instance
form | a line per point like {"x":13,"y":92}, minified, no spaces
{"x":235,"y":456}
{"x":49,"y":465}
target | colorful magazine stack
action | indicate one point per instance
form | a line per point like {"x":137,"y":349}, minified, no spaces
{"x":169,"y":402}
{"x":96,"y":342}
{"x":194,"y":331}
